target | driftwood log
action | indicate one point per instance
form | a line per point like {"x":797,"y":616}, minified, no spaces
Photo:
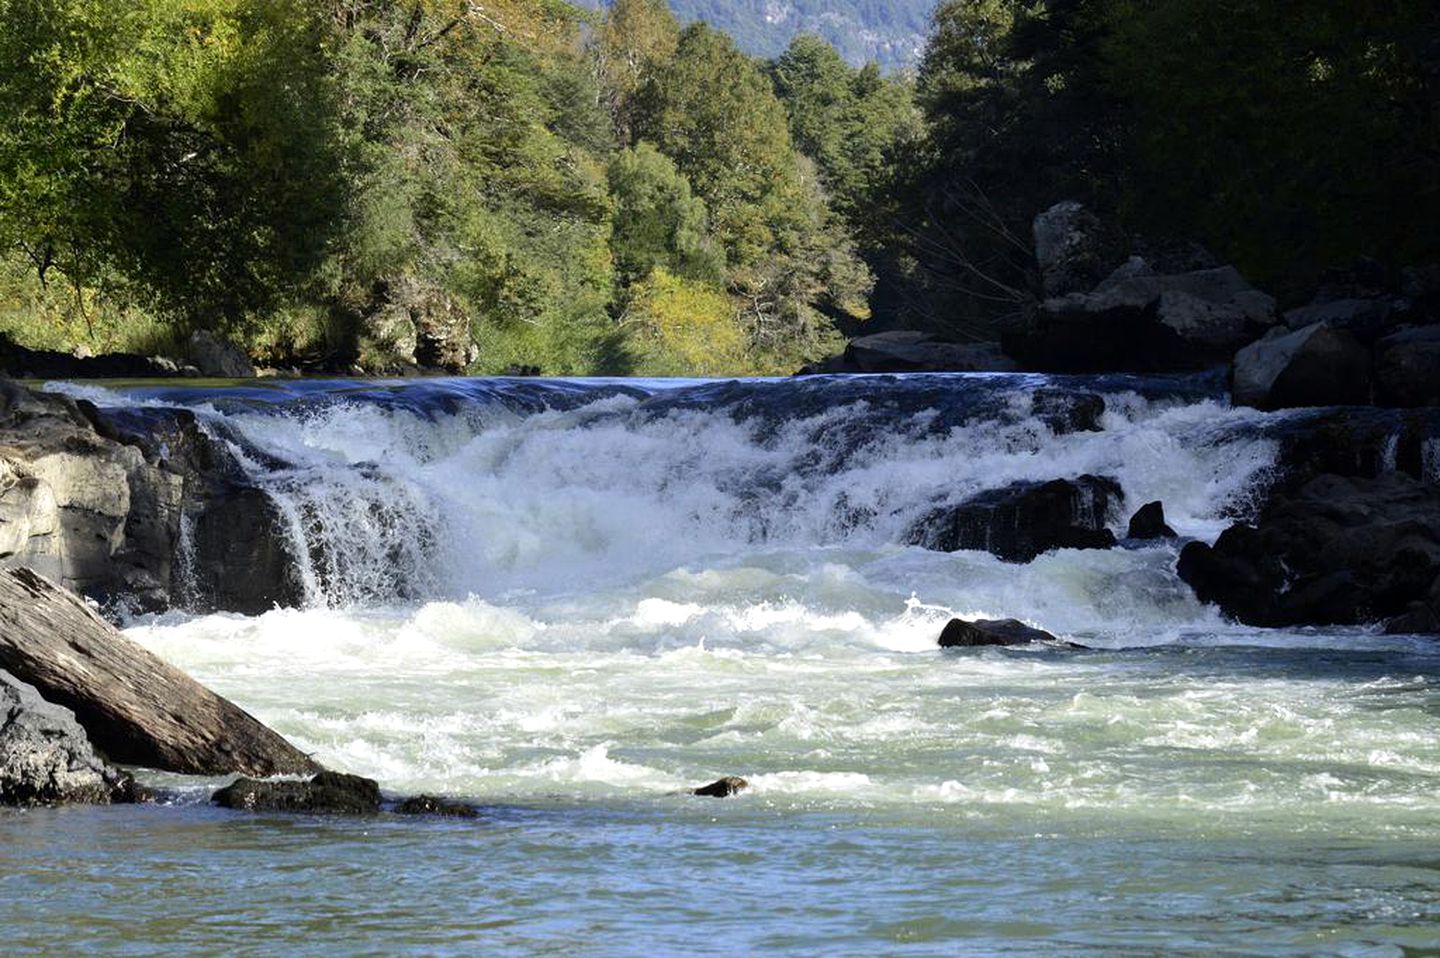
{"x":136,"y":709}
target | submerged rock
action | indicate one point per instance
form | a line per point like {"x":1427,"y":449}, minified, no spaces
{"x":1148,"y":522}
{"x":963,"y":634}
{"x":46,"y":758}
{"x":328,"y":793}
{"x":1065,"y":411}
{"x":1020,"y":521}
{"x":1338,"y":551}
{"x":430,"y":805}
{"x":724,"y":788}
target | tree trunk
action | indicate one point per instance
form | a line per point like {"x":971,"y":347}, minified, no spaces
{"x":137,"y":709}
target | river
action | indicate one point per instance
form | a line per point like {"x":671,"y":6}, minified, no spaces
{"x":571,"y":601}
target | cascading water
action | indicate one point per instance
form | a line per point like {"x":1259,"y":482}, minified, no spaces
{"x":579,"y":599}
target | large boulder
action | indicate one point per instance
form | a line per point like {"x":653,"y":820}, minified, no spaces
{"x":1148,"y":522}
{"x":328,"y":793}
{"x":967,"y":634}
{"x":45,"y":758}
{"x":1318,"y":365}
{"x":1407,"y":367}
{"x":1020,"y":521}
{"x":1365,"y":319}
{"x":1074,"y":248}
{"x":1337,"y":551}
{"x":219,"y":359}
{"x":411,"y":324}
{"x":1141,"y":321}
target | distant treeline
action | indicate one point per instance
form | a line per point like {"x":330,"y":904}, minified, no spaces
{"x":610,"y":192}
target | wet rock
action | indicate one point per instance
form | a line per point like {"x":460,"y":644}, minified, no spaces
{"x":430,"y":805}
{"x":1148,"y":522}
{"x":328,"y":793}
{"x":724,"y":788}
{"x":1315,"y":366}
{"x":1407,"y":367}
{"x":1020,"y":521}
{"x":46,"y":758}
{"x":1338,"y":551}
{"x":963,"y":634}
{"x":216,"y":358}
{"x":242,"y":562}
{"x":1074,"y":248}
{"x":1066,"y":412}
{"x":1137,"y":321}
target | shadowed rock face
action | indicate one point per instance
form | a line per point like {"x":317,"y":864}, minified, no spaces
{"x":1023,"y":520}
{"x":45,"y":757}
{"x":1337,"y":551}
{"x":1318,"y":365}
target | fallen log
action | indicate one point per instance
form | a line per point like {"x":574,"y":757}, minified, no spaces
{"x":136,"y":709}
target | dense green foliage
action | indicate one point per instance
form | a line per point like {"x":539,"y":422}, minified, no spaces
{"x":611,"y":191}
{"x":1289,"y":138}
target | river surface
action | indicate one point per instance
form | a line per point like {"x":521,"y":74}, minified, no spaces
{"x":569,"y":602}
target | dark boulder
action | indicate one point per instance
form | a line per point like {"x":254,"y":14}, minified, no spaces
{"x":1148,"y":522}
{"x":962,"y":634}
{"x":724,"y":788}
{"x":1407,"y":367}
{"x":1315,"y":366}
{"x":241,"y":561}
{"x":46,"y":758}
{"x":1338,"y":551}
{"x":328,"y":793}
{"x":24,"y":363}
{"x":1421,"y":617}
{"x":1020,"y":521}
{"x":1065,"y":411}
{"x":1356,"y":441}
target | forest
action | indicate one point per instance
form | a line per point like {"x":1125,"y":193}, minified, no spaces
{"x":346,"y":184}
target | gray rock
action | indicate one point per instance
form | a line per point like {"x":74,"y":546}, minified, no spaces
{"x":1315,"y":366}
{"x":438,"y":807}
{"x":215,"y":358}
{"x":905,"y":351}
{"x":966,"y":634}
{"x":1407,"y":367}
{"x":45,"y":757}
{"x":1073,"y":248}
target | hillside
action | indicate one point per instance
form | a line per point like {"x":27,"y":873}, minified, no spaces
{"x":890,"y":33}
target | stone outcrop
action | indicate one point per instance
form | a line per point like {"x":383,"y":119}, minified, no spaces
{"x":137,"y":709}
{"x":1407,"y":367}
{"x":327,"y":793}
{"x":410,"y":326}
{"x":1317,"y":365}
{"x":967,"y":634}
{"x":1020,"y":521}
{"x":1336,"y":551}
{"x":1074,"y":249}
{"x":95,"y":500}
{"x":45,"y":758}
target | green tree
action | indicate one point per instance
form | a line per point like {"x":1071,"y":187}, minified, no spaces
{"x":658,"y":222}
